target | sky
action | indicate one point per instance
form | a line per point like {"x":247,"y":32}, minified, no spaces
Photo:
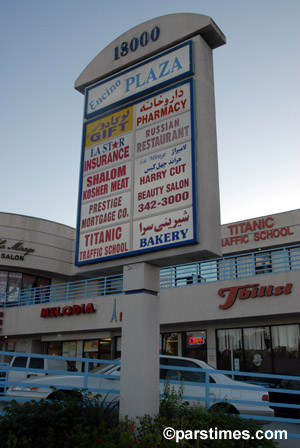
{"x":45,"y":45}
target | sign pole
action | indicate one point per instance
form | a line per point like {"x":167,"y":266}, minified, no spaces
{"x":139,"y":387}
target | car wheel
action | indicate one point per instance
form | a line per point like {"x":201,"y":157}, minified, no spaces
{"x":65,"y":394}
{"x":224,"y":408}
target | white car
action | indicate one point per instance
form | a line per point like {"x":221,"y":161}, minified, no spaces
{"x":28,"y":362}
{"x":221,"y":387}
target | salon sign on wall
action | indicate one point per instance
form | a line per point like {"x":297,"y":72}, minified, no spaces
{"x":14,"y":250}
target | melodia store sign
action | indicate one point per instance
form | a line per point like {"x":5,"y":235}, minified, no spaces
{"x":68,"y":310}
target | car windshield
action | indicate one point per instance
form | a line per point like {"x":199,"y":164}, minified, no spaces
{"x":104,"y":368}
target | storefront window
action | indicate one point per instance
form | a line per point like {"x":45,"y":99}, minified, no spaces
{"x":42,"y":295}
{"x":54,"y":348}
{"x":98,"y":349}
{"x":106,"y":348}
{"x":69,"y":348}
{"x":12,"y":282}
{"x":90,"y":350}
{"x":3,"y":285}
{"x":171,"y":344}
{"x":13,"y":286}
{"x":244,"y":266}
{"x":263,"y":263}
{"x":118,"y":347}
{"x":196,"y":345}
{"x":257,"y":349}
{"x":294,"y":257}
{"x":270,"y":349}
{"x":285,"y":343}
{"x":227,"y":269}
{"x":276,"y":258}
{"x":230,"y":349}
{"x":208,"y":271}
{"x":27,"y":286}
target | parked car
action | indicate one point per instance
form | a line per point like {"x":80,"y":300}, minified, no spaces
{"x":231,"y":393}
{"x":28,"y":363}
{"x":286,"y":396}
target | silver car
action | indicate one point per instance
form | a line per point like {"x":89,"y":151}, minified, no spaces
{"x":106,"y":381}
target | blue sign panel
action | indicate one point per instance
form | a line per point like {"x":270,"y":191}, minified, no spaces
{"x":167,"y":67}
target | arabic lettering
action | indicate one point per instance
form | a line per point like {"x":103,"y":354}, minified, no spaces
{"x":113,"y":120}
{"x":169,"y":223}
{"x":177,"y":150}
{"x":158,"y":101}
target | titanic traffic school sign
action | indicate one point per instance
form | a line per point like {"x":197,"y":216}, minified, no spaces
{"x":146,"y":132}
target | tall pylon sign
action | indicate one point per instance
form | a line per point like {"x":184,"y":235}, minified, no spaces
{"x":149,"y":186}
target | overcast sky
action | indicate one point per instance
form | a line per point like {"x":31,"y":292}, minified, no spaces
{"x":45,"y":45}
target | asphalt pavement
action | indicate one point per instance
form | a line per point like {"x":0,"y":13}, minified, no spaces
{"x":291,"y":428}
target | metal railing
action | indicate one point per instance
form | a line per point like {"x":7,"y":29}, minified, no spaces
{"x":232,"y":267}
{"x":82,"y":289}
{"x":203,"y":388}
{"x":4,"y":366}
{"x":213,"y":270}
{"x":81,"y":376}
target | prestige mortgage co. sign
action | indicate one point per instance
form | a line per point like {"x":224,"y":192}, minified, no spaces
{"x":137,"y":178}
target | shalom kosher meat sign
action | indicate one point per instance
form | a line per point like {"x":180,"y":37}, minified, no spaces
{"x":137,"y":185}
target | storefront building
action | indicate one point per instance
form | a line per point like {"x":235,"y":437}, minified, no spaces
{"x":240,"y":311}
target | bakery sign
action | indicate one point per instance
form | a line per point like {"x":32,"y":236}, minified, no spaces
{"x":14,"y":251}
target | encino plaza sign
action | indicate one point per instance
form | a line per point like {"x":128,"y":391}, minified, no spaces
{"x":137,"y":187}
{"x":147,"y":131}
{"x":145,"y":77}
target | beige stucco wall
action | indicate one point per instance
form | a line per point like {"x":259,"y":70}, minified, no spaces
{"x":279,"y":229}
{"x":52,"y":245}
{"x":200,"y":303}
{"x":193,"y":306}
{"x":189,"y":305}
{"x":27,"y":320}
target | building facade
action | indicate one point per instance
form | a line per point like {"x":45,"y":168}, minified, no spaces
{"x":240,"y":311}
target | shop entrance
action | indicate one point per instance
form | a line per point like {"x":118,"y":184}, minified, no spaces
{"x":98,"y":349}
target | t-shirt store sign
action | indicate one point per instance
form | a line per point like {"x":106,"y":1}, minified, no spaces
{"x":137,"y":182}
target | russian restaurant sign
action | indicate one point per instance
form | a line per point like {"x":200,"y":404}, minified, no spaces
{"x":137,"y":190}
{"x":158,"y":71}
